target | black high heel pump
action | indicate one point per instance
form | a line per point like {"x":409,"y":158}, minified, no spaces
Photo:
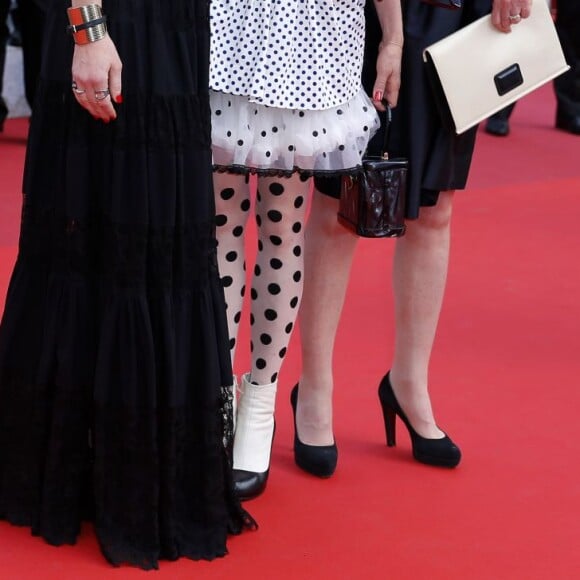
{"x":319,"y":460}
{"x":440,"y":452}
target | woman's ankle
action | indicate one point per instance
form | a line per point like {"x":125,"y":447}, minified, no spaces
{"x":413,"y":396}
{"x":314,"y":412}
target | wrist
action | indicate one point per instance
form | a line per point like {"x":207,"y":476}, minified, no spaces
{"x":395,"y":41}
{"x":78,"y":3}
{"x":87,"y":23}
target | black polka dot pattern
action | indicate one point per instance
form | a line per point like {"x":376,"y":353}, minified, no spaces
{"x":250,"y":56}
{"x":275,"y":215}
{"x":277,"y":273}
{"x":291,"y":70}
{"x":227,"y":193}
{"x":230,"y":227}
{"x":318,"y":141}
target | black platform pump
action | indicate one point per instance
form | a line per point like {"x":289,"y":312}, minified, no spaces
{"x":440,"y":452}
{"x":319,"y":460}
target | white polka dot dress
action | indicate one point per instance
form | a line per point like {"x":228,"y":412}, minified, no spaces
{"x":286,"y":90}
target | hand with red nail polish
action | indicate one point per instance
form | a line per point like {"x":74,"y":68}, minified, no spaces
{"x":388,"y":79}
{"x":96,"y":70}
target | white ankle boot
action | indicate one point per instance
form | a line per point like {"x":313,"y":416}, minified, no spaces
{"x":253,"y":437}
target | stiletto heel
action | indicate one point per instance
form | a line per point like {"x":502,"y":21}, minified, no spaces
{"x":319,"y":460}
{"x":440,"y":452}
{"x":390,"y":425}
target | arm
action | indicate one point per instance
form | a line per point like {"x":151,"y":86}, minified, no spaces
{"x":96,"y":67}
{"x":503,"y":9}
{"x":388,"y":79}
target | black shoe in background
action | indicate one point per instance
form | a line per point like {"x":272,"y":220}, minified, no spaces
{"x":497,"y":126}
{"x":499,"y":123}
{"x":15,"y":37}
{"x":3,"y":113}
{"x":567,"y":122}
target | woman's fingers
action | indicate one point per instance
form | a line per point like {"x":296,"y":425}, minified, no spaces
{"x":115,"y":83}
{"x":507,"y":13}
{"x":95,"y":97}
{"x":96,"y":74}
{"x":81,"y":92}
{"x":388,"y":79}
{"x":105,"y":104}
{"x":500,"y":16}
{"x":526,"y":9}
{"x":392,"y":90}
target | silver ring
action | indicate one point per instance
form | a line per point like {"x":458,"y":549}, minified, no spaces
{"x":515,"y":17}
{"x":102,"y":94}
{"x":76,"y":89}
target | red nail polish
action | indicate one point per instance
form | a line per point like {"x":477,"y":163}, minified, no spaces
{"x":378,"y":96}
{"x":119,"y":99}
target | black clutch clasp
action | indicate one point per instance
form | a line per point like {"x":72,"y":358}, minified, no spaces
{"x":508,"y":79}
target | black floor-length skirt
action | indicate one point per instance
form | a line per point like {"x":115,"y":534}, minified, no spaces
{"x":113,"y":344}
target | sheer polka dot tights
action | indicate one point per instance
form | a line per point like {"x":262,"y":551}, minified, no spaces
{"x":276,"y":287}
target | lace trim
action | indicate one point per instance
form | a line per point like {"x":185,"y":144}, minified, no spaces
{"x":306,"y":173}
{"x":51,"y":478}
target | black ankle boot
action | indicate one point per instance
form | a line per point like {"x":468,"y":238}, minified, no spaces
{"x":440,"y":452}
{"x":319,"y":460}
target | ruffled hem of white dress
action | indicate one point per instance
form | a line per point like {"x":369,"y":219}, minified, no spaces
{"x":252,"y":138}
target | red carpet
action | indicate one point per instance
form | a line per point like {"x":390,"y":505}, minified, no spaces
{"x":504,"y":382}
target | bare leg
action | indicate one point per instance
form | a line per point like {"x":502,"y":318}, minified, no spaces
{"x":419,"y":277}
{"x":329,"y":250}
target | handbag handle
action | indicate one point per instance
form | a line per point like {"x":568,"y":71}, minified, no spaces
{"x":388,"y":118}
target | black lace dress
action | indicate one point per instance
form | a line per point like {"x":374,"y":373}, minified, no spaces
{"x":113,"y":344}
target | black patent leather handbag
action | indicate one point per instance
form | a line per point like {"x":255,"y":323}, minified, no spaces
{"x":372,"y":202}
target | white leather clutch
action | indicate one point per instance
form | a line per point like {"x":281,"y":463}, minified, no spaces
{"x":479,"y":70}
